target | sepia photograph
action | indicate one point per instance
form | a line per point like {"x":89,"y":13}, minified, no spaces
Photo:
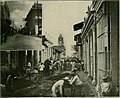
{"x":59,"y":48}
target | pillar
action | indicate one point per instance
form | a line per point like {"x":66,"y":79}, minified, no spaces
{"x":8,"y":52}
{"x":95,"y":51}
{"x":32,"y":58}
{"x":114,"y":11}
{"x":25,"y":59}
{"x":36,"y":57}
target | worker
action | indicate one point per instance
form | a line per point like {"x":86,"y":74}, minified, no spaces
{"x":57,"y":88}
{"x":76,"y":84}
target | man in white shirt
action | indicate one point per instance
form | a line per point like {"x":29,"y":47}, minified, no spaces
{"x":76,"y":83}
{"x":73,"y":65}
{"x":57,"y":88}
{"x":75,"y":80}
{"x":41,"y":69}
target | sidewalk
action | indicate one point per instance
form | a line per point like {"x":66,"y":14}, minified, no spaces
{"x":88,"y":90}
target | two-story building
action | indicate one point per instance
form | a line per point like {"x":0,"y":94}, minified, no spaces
{"x":34,"y":20}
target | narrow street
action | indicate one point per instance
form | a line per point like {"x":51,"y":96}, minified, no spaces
{"x":72,"y":51}
{"x":25,"y":87}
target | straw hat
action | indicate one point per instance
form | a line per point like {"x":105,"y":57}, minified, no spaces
{"x":104,"y":77}
{"x":74,"y":70}
{"x":66,"y":78}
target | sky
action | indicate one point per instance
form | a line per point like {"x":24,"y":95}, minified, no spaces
{"x":58,"y":17}
{"x":19,"y":10}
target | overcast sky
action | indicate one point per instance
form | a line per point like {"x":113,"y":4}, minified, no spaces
{"x":58,"y":17}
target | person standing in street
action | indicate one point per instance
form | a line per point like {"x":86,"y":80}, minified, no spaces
{"x":9,"y":84}
{"x":76,"y":84}
{"x":35,"y":71}
{"x":28,"y":70}
{"x":41,"y":69}
{"x":73,"y":65}
{"x":51,"y":66}
{"x":47,"y":64}
{"x":82,"y":65}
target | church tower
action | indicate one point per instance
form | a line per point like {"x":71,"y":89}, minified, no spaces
{"x":60,"y":40}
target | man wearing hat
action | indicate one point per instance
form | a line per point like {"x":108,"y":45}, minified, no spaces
{"x":57,"y":88}
{"x":105,"y":86}
{"x":76,"y":83}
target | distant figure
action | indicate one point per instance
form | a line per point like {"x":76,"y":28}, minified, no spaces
{"x":93,"y":82}
{"x":13,"y":70}
{"x":51,"y":69}
{"x":29,"y":65}
{"x":51,"y":59}
{"x":58,"y":64}
{"x":77,"y":65}
{"x":28,"y":70}
{"x":57,"y":88}
{"x":82,"y":65}
{"x":90,"y":78}
{"x":51,"y":65}
{"x":35,"y":71}
{"x":10,"y":80}
{"x":73,"y":65}
{"x":47,"y":63}
{"x":41,"y":69}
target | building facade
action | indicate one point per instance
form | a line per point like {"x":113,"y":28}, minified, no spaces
{"x":59,"y":51}
{"x":5,"y":21}
{"x":78,"y":46}
{"x":100,"y":41}
{"x":107,"y":31}
{"x":34,"y":20}
{"x":47,"y":48}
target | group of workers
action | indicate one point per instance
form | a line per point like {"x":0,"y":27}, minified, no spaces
{"x":75,"y":83}
{"x":72,"y":80}
{"x":104,"y":89}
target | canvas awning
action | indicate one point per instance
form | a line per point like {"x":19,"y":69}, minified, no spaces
{"x":78,"y":26}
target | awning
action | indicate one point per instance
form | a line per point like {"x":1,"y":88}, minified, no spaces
{"x":77,"y":37}
{"x":78,"y":26}
{"x":22,"y":42}
{"x":78,"y":40}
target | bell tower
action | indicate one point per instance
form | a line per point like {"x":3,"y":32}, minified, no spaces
{"x":60,"y":40}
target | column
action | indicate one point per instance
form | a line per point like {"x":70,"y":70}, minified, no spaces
{"x":25,"y":59}
{"x":32,"y":58}
{"x":16,"y":58}
{"x":8,"y":52}
{"x":114,"y":19}
{"x":94,"y":54}
{"x":36,"y":57}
